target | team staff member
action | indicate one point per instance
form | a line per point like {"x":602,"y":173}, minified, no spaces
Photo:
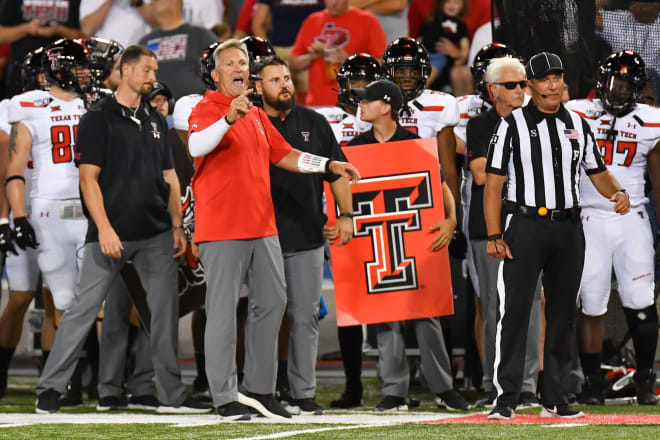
{"x":298,"y":202}
{"x":538,"y":148}
{"x":380,"y":103}
{"x":233,"y":143}
{"x":125,"y":170}
{"x":506,"y":78}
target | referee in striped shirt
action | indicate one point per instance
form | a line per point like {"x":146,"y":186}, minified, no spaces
{"x":539,"y":151}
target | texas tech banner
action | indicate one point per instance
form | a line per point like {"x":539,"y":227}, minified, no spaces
{"x":388,"y":272}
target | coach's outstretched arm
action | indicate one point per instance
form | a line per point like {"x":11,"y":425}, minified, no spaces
{"x":301,"y":162}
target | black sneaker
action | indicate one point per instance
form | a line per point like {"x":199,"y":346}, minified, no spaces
{"x":234,"y":411}
{"x":501,"y":413}
{"x":452,"y":401}
{"x":189,"y":406}
{"x":563,"y":410}
{"x":392,"y":403}
{"x":108,"y":403}
{"x":48,"y":402}
{"x":201,"y":389}
{"x":71,"y":399}
{"x":645,"y":383}
{"x":527,"y":399}
{"x":593,"y":390}
{"x":283,"y":393}
{"x":305,"y":407}
{"x":488,"y":401}
{"x":148,"y":402}
{"x":266,"y":404}
{"x":412,"y":403}
{"x":347,"y":401}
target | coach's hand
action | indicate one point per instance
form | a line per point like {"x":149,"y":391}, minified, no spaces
{"x":498,"y":249}
{"x":6,"y":240}
{"x":109,"y":241}
{"x":239,"y":107}
{"x":24,"y":234}
{"x":180,"y":242}
{"x":344,"y":169}
{"x":621,"y":202}
{"x":344,"y":228}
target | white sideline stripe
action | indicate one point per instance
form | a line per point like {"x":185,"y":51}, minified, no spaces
{"x":304,"y":431}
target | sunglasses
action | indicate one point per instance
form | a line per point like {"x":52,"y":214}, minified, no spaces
{"x":510,"y":85}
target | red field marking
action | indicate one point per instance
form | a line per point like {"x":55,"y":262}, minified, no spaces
{"x":589,"y":419}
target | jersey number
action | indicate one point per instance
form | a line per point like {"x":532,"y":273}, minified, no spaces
{"x":61,"y":138}
{"x":607,"y":151}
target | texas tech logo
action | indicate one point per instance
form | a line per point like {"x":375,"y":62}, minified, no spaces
{"x":385,"y":208}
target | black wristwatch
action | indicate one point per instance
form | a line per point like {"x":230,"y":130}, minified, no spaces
{"x":622,"y":190}
{"x":345,"y":214}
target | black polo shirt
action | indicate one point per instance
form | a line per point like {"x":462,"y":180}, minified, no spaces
{"x":132,"y":158}
{"x":401,"y":134}
{"x":298,"y":198}
{"x":479,"y":132}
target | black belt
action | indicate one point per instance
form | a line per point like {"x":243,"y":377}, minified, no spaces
{"x":554,"y":215}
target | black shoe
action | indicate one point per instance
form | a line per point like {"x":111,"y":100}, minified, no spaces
{"x":392,"y":403}
{"x":564,"y":410}
{"x":71,"y":399}
{"x":501,"y":413}
{"x":305,"y":407}
{"x":108,"y":403}
{"x":266,"y":404}
{"x":283,"y":394}
{"x":593,"y":390}
{"x":48,"y":402}
{"x":412,"y":403}
{"x":488,"y":401}
{"x":347,"y":401}
{"x":452,"y":401}
{"x":234,"y":411}
{"x":189,"y":406}
{"x":527,"y":399}
{"x":201,"y":389}
{"x":645,"y":383}
{"x":148,"y":402}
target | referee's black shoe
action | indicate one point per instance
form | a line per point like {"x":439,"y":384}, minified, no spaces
{"x":234,"y":411}
{"x":265,"y":404}
{"x":645,"y":383}
{"x":501,"y":413}
{"x":48,"y":402}
{"x":563,"y":410}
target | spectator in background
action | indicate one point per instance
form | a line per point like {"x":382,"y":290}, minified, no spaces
{"x":392,"y":15}
{"x":31,"y":24}
{"x":279,"y":21}
{"x":478,"y":15}
{"x":177,"y":45}
{"x":445,"y":37}
{"x":244,"y":19}
{"x":123,"y":21}
{"x":324,"y":42}
{"x":204,"y":13}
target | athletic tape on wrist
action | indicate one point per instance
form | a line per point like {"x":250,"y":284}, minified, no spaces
{"x":4,"y":221}
{"x":311,"y":163}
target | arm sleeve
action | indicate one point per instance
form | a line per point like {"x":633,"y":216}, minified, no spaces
{"x":206,"y":129}
{"x":499,"y":150}
{"x":592,"y":162}
{"x":92,"y":145}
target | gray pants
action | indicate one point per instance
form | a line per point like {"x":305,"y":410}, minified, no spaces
{"x":158,"y":272}
{"x":487,"y":272}
{"x":304,"y":275}
{"x":114,"y":347}
{"x":226,"y":264}
{"x":393,"y":364}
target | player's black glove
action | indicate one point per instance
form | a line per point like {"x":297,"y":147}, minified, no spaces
{"x":24,"y":233}
{"x":7,"y":240}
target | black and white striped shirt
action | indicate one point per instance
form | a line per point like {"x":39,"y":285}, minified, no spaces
{"x":540,"y":153}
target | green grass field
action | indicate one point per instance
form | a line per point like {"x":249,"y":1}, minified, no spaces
{"x":18,"y":421}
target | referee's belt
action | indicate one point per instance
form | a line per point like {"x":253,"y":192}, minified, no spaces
{"x":554,"y":215}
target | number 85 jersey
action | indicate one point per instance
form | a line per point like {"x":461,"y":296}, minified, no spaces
{"x":53,"y":124}
{"x":625,"y":154}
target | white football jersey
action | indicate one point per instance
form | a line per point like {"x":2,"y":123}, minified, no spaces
{"x":469,"y":106}
{"x":430,"y":112}
{"x":344,"y":125}
{"x":182,"y":110}
{"x":625,"y":156}
{"x":53,"y":124}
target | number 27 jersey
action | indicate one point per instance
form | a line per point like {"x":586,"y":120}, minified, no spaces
{"x":53,"y":124}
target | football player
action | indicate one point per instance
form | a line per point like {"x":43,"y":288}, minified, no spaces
{"x":628,"y":134}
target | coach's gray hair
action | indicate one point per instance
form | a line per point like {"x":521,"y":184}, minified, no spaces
{"x":228,"y":44}
{"x":494,"y":71}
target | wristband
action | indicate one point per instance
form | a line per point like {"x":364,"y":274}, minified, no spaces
{"x":345,"y":214}
{"x":4,"y":221}
{"x":311,"y":163}
{"x":494,"y":237}
{"x":15,"y":177}
{"x":175,"y":227}
{"x":227,"y":121}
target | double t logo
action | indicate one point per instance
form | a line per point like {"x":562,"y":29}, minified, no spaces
{"x":384,"y":209}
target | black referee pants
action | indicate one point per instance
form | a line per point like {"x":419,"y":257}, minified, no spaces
{"x":556,"y":248}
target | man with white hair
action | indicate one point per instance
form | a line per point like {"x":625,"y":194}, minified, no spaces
{"x":233,"y":143}
{"x":506,"y":83}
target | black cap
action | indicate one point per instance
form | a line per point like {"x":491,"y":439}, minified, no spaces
{"x":540,"y":64}
{"x":382,"y":89}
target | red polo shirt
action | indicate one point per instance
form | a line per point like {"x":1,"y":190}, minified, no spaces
{"x":231,"y":184}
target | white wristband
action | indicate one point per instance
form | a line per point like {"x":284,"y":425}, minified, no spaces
{"x":4,"y":221}
{"x":311,"y":163}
